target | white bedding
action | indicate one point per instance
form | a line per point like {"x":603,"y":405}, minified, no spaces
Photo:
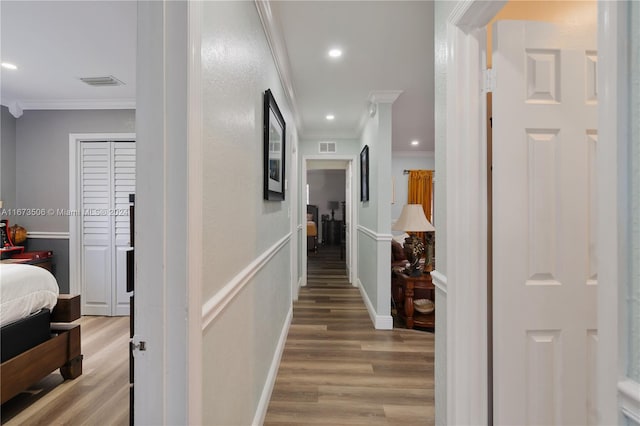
{"x":25,"y":289}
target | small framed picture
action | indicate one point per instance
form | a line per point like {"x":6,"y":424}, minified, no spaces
{"x":274,"y":149}
{"x":364,"y":174}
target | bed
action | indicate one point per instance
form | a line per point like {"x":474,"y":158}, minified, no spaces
{"x":312,"y":228}
{"x":33,"y":345}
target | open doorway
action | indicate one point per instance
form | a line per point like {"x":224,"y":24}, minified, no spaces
{"x":328,"y":187}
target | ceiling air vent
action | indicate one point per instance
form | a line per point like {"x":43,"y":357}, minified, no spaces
{"x":327,"y":147}
{"x":102,"y":81}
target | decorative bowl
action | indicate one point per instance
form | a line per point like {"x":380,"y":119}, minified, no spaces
{"x":424,"y":306}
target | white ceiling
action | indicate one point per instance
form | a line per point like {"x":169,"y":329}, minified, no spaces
{"x":387,"y":45}
{"x":54,"y":43}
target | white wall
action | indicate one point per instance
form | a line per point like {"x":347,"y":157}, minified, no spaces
{"x":374,"y":218}
{"x":240,"y":228}
{"x":442,"y":10}
{"x":401,"y":161}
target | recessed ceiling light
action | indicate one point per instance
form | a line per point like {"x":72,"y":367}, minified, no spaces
{"x":415,"y":142}
{"x":9,"y":66}
{"x":330,"y":117}
{"x":335,"y":53}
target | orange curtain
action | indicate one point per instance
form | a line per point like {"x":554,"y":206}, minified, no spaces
{"x":420,"y":190}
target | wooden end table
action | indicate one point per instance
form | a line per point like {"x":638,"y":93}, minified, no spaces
{"x":404,"y":295}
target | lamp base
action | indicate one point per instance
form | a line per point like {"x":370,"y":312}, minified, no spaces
{"x":416,"y":272}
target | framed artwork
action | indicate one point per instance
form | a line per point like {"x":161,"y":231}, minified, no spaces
{"x":364,"y":174}
{"x":274,"y":149}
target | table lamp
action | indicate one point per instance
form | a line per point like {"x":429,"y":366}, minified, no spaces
{"x":333,"y":205}
{"x":413,"y":219}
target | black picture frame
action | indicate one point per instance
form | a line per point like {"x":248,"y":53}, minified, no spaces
{"x":274,"y":149}
{"x":364,"y":174}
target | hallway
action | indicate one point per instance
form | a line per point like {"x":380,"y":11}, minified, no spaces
{"x":336,"y":369}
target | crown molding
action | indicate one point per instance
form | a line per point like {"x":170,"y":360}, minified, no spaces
{"x":16,"y":108}
{"x":469,"y":13}
{"x":377,"y":97}
{"x":384,"y":96}
{"x":280,"y":55}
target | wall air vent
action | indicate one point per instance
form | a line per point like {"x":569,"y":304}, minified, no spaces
{"x":102,"y":81}
{"x":327,"y":147}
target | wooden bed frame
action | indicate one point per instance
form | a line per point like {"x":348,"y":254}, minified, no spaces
{"x":62,"y":350}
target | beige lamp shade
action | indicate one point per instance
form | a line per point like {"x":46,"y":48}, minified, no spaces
{"x":413,"y":219}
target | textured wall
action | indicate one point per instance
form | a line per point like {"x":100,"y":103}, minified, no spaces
{"x":8,"y":159}
{"x":239,"y":226}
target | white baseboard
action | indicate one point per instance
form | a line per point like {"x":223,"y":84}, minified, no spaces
{"x":265,"y":397}
{"x":380,"y":322}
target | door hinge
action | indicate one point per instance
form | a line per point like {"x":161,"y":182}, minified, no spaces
{"x":138,"y":345}
{"x":489,"y":80}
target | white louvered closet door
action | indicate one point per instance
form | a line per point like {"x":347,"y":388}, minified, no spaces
{"x":107,"y":178}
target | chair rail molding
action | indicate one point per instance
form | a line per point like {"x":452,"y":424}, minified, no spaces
{"x":48,"y":235}
{"x":216,"y":304}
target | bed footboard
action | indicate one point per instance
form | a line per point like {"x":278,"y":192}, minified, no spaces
{"x":62,"y":351}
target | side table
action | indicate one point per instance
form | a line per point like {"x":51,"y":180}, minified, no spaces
{"x":404,"y":295}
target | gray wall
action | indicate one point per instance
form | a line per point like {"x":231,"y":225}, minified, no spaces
{"x":60,"y":248}
{"x":42,"y":158}
{"x":41,"y":170}
{"x":325,"y":186}
{"x":8,"y":159}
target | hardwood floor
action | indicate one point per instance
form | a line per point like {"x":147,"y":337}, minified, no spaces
{"x":337,"y":369}
{"x":99,"y":396}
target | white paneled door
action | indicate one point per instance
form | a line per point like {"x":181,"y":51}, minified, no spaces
{"x":107,"y":177}
{"x":545,"y":269}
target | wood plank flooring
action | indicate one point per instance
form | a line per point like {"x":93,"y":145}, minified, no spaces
{"x":99,"y":397}
{"x":337,"y":369}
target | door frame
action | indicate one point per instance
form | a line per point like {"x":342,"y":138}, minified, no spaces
{"x":351,"y":246}
{"x":466,"y":344}
{"x":75,"y":224}
{"x":618,"y":397}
